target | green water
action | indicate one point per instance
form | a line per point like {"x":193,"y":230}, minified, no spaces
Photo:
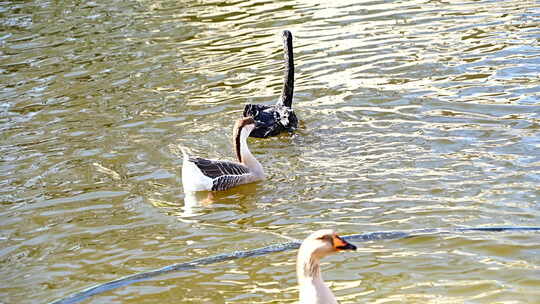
{"x":414,"y":114}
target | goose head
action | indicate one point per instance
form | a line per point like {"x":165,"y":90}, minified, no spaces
{"x":315,"y":247}
{"x":246,"y":124}
{"x":323,"y":243}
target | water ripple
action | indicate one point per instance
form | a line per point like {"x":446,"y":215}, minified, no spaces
{"x":416,"y":113}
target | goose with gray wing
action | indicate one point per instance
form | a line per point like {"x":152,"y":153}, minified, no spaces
{"x":201,"y":174}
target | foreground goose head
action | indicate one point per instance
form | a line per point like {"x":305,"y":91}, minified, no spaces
{"x":280,"y":117}
{"x":200,"y":174}
{"x":315,"y":247}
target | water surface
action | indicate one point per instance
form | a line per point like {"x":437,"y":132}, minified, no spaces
{"x":414,"y":114}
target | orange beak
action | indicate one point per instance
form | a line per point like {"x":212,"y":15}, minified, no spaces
{"x":340,"y":244}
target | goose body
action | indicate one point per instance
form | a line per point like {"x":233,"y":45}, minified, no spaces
{"x":274,"y":119}
{"x":201,"y":174}
{"x":319,"y":244}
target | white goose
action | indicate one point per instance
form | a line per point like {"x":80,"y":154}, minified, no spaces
{"x":200,"y":174}
{"x":315,"y":247}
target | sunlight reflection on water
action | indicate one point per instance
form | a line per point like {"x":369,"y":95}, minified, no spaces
{"x":416,"y":114}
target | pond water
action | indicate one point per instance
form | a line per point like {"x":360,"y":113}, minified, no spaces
{"x":414,"y":114}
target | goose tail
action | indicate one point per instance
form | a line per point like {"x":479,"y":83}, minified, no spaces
{"x":185,"y":152}
{"x":178,"y":149}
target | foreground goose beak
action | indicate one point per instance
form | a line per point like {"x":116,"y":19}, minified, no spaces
{"x":340,"y":244}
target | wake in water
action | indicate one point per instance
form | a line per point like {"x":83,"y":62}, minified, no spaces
{"x":364,"y":237}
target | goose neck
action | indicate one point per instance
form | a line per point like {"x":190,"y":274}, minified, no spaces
{"x":308,"y":269}
{"x":288,"y":81}
{"x":244,"y":154}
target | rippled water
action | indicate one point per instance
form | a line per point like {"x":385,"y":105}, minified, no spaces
{"x":413,"y":114}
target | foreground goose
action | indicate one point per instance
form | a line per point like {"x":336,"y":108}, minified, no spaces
{"x":200,"y":174}
{"x":315,"y":247}
{"x":280,"y":117}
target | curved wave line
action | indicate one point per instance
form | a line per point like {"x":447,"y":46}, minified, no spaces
{"x":364,"y":237}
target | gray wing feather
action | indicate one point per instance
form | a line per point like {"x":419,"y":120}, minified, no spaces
{"x":227,"y":181}
{"x":217,"y":169}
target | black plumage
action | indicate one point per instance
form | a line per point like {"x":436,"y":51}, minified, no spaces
{"x":217,"y":168}
{"x":274,"y":119}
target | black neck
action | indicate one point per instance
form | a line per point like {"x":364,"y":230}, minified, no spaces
{"x":237,"y":135}
{"x":288,"y":81}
